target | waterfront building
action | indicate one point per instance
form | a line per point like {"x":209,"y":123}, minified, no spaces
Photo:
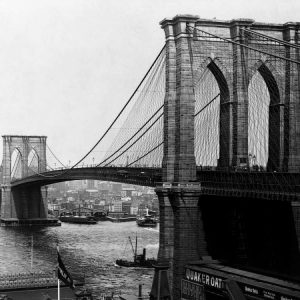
{"x":127,"y":191}
{"x":116,"y":187}
{"x":54,"y":206}
{"x":116,"y":206}
{"x":104,"y":185}
{"x":101,"y":202}
{"x":92,"y":193}
{"x":134,"y":210}
{"x":126,"y":207}
{"x":103,"y":192}
{"x":91,"y":184}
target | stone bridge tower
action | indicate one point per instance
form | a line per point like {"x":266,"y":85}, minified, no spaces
{"x":183,"y":236}
{"x":27,"y":204}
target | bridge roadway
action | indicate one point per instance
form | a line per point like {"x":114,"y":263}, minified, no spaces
{"x":137,"y":176}
{"x":263,"y":185}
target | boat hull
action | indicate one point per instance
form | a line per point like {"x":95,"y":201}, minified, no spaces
{"x":123,"y":219}
{"x":77,"y":220}
{"x":130,"y":264}
{"x":147,"y":224}
{"x":146,"y":221}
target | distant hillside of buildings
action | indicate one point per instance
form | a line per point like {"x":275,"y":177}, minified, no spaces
{"x":109,"y":197}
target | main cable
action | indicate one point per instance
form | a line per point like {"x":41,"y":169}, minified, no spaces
{"x":113,"y":122}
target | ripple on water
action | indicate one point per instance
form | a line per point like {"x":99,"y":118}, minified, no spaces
{"x":89,"y":250}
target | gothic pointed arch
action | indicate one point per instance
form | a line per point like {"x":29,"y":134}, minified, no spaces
{"x":273,"y":115}
{"x":273,"y":78}
{"x":222,"y":79}
{"x":16,"y":164}
{"x":220,"y":72}
{"x":33,"y":162}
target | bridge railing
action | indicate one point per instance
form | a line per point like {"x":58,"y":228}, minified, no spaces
{"x":111,"y":166}
{"x":167,"y":185}
{"x":273,"y":182}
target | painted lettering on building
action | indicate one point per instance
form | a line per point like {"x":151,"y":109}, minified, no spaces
{"x":264,"y":293}
{"x":204,"y":278}
{"x":191,"y":291}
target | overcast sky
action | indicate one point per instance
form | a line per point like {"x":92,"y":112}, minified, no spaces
{"x":68,"y":66}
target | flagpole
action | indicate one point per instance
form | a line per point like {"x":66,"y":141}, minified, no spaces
{"x":58,"y":289}
{"x":31,"y":256}
{"x":58,"y":283}
{"x":62,"y":274}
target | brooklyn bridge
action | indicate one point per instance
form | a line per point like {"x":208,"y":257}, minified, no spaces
{"x":214,"y":127}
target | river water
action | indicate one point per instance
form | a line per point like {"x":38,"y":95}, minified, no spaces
{"x":88,"y":250}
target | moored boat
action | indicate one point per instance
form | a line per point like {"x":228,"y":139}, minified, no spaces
{"x":121,"y":219}
{"x":78,"y":219}
{"x":100,"y":216}
{"x":146,"y":220}
{"x":139,"y":260}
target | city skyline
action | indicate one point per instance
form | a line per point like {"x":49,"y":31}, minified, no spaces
{"x":69,"y":66}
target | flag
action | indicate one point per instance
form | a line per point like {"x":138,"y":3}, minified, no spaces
{"x":63,"y":274}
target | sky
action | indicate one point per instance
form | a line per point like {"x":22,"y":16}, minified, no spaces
{"x":68,"y":66}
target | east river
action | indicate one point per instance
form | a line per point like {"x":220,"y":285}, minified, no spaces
{"x":87,"y":250}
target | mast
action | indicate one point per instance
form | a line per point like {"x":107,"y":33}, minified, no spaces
{"x":135,"y":247}
{"x":133,"y":251}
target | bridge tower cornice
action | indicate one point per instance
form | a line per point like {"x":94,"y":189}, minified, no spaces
{"x":291,"y":32}
{"x":236,"y":25}
{"x":177,"y":26}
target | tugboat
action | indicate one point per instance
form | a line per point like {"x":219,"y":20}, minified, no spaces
{"x":146,"y":220}
{"x":139,"y":260}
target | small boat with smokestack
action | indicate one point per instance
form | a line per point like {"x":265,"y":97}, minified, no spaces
{"x":139,"y":260}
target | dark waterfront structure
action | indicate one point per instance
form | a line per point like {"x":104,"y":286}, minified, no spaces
{"x":228,"y":230}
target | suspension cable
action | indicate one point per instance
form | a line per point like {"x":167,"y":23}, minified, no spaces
{"x":55,"y":156}
{"x":245,"y":46}
{"x":16,"y":163}
{"x":136,"y":139}
{"x":126,"y":104}
{"x":139,"y":158}
{"x":205,"y":106}
{"x":131,"y":138}
{"x":115,"y":119}
{"x":271,"y":38}
{"x":150,"y":151}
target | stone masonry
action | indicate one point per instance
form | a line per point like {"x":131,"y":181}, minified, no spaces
{"x":27,"y":202}
{"x":182,"y":232}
